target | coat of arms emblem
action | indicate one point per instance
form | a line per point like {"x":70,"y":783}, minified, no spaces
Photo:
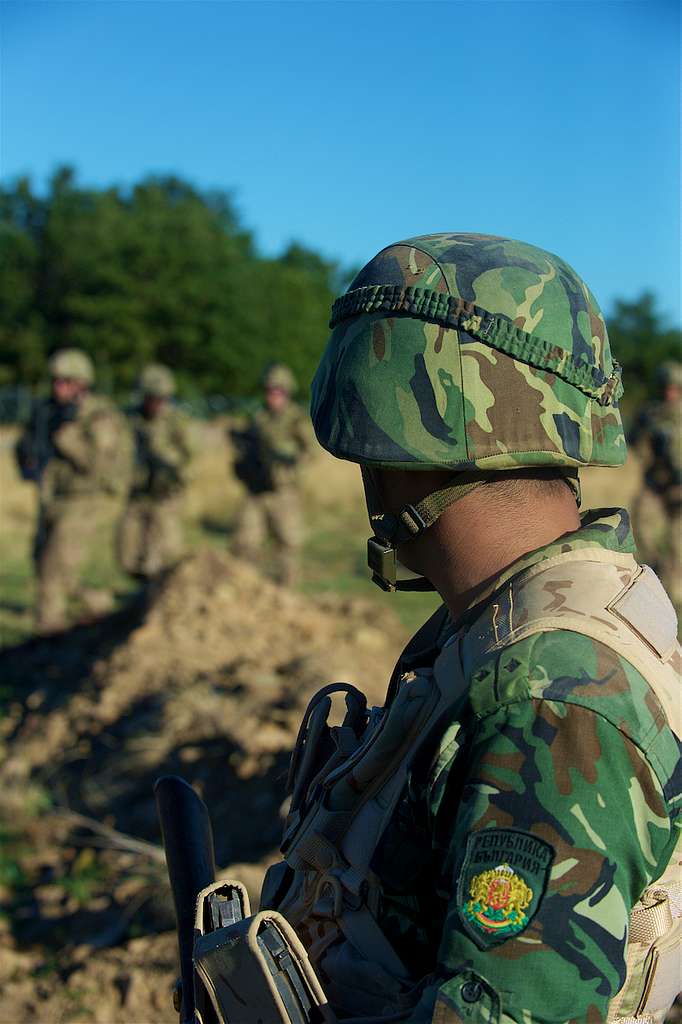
{"x":498,"y":901}
{"x":501,"y":883}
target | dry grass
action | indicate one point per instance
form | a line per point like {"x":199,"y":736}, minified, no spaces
{"x":334,"y":557}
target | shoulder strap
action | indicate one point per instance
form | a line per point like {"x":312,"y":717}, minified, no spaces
{"x":601,"y":594}
{"x":420,"y":650}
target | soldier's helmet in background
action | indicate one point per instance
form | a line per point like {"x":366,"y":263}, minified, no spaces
{"x":277,"y":375}
{"x":669,"y":374}
{"x":466,"y":351}
{"x":72,"y":364}
{"x":157,"y":381}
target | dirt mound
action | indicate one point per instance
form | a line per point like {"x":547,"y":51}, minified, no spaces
{"x":208,"y":678}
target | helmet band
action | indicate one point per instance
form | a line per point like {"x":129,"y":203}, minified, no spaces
{"x":494,"y":330}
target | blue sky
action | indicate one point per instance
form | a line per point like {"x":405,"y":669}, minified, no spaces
{"x":348,"y":125}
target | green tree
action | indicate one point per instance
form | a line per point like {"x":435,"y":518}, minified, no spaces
{"x":161,"y":271}
{"x":641,"y":341}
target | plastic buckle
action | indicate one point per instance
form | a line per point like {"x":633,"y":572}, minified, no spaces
{"x":382,"y":561}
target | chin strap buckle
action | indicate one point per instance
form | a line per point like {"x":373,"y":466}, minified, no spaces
{"x":381,"y":559}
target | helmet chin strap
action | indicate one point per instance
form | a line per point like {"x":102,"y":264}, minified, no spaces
{"x":394,"y":529}
{"x":391,"y":530}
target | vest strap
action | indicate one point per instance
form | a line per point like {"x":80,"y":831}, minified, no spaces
{"x":651,"y":917}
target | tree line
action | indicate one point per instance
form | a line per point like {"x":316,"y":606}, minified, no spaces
{"x":157,"y":272}
{"x":163,"y":271}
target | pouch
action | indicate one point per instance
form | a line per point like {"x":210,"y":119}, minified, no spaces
{"x":251,"y":970}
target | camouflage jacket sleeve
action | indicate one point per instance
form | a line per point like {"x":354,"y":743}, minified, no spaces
{"x":186,"y":440}
{"x":98,"y":446}
{"x":287,"y":439}
{"x":175,"y":445}
{"x":557,"y":824}
{"x":305,"y":435}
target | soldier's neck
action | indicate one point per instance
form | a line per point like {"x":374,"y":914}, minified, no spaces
{"x":476,"y":540}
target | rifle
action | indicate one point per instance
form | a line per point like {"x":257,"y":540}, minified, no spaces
{"x":248,"y":465}
{"x":35,"y":447}
{"x":235,"y":968}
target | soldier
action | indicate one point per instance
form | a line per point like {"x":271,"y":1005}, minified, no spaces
{"x":77,"y":448}
{"x":270,"y":453}
{"x":498,"y":842}
{"x":150,"y":537}
{"x":657,"y":510}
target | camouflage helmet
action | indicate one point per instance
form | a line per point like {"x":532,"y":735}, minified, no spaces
{"x":277,"y":375}
{"x":157,"y":381}
{"x":669,"y":374}
{"x":72,"y":364}
{"x":468,"y":352}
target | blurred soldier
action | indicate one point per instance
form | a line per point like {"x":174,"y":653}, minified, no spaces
{"x":270,"y":452}
{"x":150,"y":536}
{"x":77,"y":449}
{"x":657,"y":510}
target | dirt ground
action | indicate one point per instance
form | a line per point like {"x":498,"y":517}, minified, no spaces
{"x":186,"y":682}
{"x":206,"y":676}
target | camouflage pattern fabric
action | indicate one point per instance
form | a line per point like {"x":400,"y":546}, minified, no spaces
{"x":657,"y":432}
{"x":90,"y":453}
{"x":277,"y":375}
{"x":84,"y":466}
{"x":150,"y":536}
{"x":657,"y":509}
{"x":277,"y":515}
{"x":555,"y":734}
{"x":435,"y":329}
{"x":534,"y":815}
{"x":284,"y":440}
{"x":64,"y":541}
{"x":657,"y":523}
{"x":157,"y":381}
{"x":164,"y":445}
{"x":280,"y":442}
{"x":73,"y":364}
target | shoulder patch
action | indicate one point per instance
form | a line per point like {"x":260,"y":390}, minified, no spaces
{"x":501,"y":883}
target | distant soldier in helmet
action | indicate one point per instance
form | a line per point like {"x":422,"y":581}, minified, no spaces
{"x":150,"y":537}
{"x":270,"y":453}
{"x":497,"y":843}
{"x":657,"y":510}
{"x":77,"y":449}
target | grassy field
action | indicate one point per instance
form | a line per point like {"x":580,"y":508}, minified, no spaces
{"x":333,"y":557}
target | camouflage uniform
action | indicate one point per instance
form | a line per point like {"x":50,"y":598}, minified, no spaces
{"x":150,"y":535}
{"x":473,"y":850}
{"x":277,"y":444}
{"x":657,"y":510}
{"x":81,"y":460}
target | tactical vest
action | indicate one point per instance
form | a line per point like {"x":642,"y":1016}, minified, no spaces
{"x":346,"y":782}
{"x":106,"y":473}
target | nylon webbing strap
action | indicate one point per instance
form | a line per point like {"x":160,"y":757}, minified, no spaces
{"x":412,"y":520}
{"x":430,"y":508}
{"x":497,"y":331}
{"x":649,"y":922}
